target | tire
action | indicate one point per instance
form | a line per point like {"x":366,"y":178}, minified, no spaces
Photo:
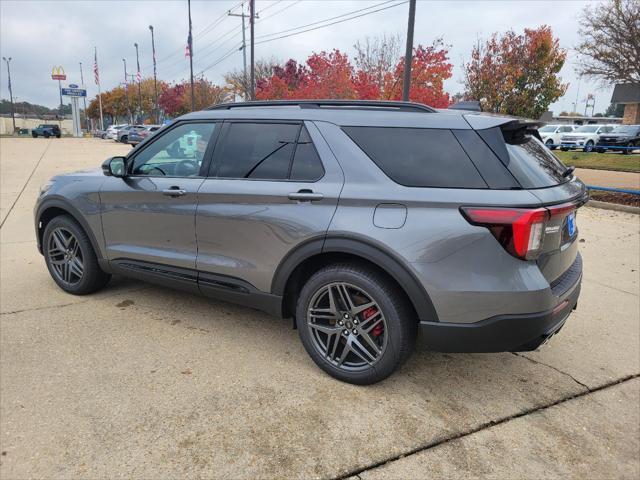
{"x":58,"y":136}
{"x":34,"y":134}
{"x":600,"y":150}
{"x":124,"y":139}
{"x":549,"y":144}
{"x":389,"y":318}
{"x":46,"y":135}
{"x":564,"y":149}
{"x":627,"y":151}
{"x":588,"y":146}
{"x":93,"y":278}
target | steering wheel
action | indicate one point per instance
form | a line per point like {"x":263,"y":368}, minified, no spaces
{"x":155,"y":168}
{"x":186,"y":168}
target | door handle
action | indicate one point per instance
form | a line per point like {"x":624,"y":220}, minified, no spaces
{"x":305,"y":195}
{"x":174,"y":192}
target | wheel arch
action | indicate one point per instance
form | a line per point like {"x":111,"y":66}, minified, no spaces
{"x":319,"y":252}
{"x":50,"y":209}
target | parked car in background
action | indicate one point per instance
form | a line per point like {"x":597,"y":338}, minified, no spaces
{"x":551,"y":134}
{"x":123,"y":134}
{"x":112,"y":131}
{"x":622,"y":138}
{"x":138,"y":135}
{"x":584,"y":137}
{"x":46,"y":131}
{"x":97,"y":133}
{"x":370,"y":224}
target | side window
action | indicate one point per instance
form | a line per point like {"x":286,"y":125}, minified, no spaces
{"x":307,"y":166}
{"x":177,"y":153}
{"x":268,"y":151}
{"x":566,"y":129}
{"x":418,"y":157}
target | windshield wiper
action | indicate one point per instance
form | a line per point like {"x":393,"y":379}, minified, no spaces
{"x":568,"y":171}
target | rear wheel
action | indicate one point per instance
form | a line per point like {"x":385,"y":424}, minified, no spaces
{"x":124,"y":139}
{"x":70,"y":258}
{"x":355,"y":323}
{"x":630,"y":147}
{"x":47,"y":134}
{"x":34,"y":134}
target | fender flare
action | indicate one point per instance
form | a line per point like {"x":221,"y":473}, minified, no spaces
{"x":388,"y":262}
{"x":62,"y":204}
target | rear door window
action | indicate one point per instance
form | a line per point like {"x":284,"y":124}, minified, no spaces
{"x":418,"y":157}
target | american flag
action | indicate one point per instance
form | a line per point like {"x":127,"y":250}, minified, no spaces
{"x":95,"y":67}
{"x":138,"y":76}
{"x":187,"y":50}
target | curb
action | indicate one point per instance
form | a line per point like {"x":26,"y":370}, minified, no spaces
{"x":613,"y":206}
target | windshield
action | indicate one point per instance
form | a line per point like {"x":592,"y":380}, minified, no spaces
{"x":628,"y":129}
{"x":587,"y":129}
{"x":548,"y":128}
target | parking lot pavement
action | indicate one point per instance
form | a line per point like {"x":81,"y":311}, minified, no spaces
{"x":145,"y":382}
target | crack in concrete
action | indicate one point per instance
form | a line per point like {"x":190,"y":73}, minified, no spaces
{"x":484,"y":426}
{"x":26,"y":183}
{"x":517,"y":354}
{"x":82,"y":302}
{"x":611,"y":287}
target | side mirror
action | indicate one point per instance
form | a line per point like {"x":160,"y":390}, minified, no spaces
{"x":115,"y":167}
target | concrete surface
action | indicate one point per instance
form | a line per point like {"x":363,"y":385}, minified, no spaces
{"x":143,"y":382}
{"x":609,"y":178}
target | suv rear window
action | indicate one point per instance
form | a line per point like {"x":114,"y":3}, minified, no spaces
{"x":418,"y":157}
{"x":526,"y":157}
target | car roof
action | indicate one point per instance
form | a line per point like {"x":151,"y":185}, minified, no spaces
{"x":352,"y":113}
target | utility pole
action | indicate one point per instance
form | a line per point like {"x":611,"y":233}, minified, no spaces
{"x":193,"y":98}
{"x":138,"y":79}
{"x":408,"y":56}
{"x":84,"y":100}
{"x":155,"y":79}
{"x":13,"y":113}
{"x":244,"y":51}
{"x":252,"y":12}
{"x":126,"y":90}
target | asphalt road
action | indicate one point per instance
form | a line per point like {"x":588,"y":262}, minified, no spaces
{"x":143,"y":382}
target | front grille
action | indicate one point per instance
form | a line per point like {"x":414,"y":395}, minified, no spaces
{"x":568,"y":279}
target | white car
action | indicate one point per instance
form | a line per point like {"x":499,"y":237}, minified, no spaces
{"x":112,"y":131}
{"x":584,"y":137}
{"x":551,"y":134}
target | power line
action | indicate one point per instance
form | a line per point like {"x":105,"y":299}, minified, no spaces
{"x":269,"y":6}
{"x":333,"y":23}
{"x":278,"y":12}
{"x":325,"y":20}
{"x":221,"y":59}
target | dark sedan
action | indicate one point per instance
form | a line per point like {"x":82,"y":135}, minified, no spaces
{"x":625,"y":138}
{"x":137,"y":136}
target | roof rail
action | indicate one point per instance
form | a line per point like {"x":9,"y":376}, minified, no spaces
{"x":354,"y":104}
{"x":469,"y":105}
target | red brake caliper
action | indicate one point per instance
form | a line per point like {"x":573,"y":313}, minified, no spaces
{"x":367,"y":314}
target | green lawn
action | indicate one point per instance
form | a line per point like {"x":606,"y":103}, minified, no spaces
{"x":601,"y":161}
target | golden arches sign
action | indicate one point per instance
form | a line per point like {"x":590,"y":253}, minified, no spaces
{"x":57,"y":73}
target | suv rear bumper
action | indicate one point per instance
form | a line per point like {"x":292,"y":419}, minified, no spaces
{"x":504,"y":333}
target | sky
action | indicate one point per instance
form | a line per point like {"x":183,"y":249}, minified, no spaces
{"x":40,"y":34}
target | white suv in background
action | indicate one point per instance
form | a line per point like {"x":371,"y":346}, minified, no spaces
{"x":551,"y":134}
{"x":112,"y":131}
{"x":584,"y":137}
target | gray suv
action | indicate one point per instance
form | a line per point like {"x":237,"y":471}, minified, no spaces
{"x":371,"y":224}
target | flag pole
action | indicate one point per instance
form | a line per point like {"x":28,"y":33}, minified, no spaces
{"x":95,"y":67}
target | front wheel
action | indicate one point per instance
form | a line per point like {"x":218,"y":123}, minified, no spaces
{"x":588,"y":146}
{"x":70,"y":258}
{"x":34,"y":134}
{"x":46,"y":135}
{"x":124,"y":139}
{"x":549,"y":144}
{"x":355,"y":323}
{"x":630,"y":147}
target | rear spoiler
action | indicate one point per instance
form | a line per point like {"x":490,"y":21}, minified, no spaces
{"x":470,"y":105}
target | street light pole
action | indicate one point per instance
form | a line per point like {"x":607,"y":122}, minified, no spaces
{"x":252,"y":11}
{"x":126,"y":90}
{"x":244,"y":51}
{"x":138,"y":79}
{"x":193,"y":98}
{"x":408,"y":56}
{"x":84,"y":100}
{"x":155,"y":79}
{"x":13,"y":113}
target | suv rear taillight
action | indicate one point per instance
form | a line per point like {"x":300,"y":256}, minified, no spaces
{"x":519,"y":230}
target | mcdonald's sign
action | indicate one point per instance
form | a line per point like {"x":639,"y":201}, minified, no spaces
{"x":57,"y":73}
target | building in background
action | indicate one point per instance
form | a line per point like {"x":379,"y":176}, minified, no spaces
{"x":628,"y":94}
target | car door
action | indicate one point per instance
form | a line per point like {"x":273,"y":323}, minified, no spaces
{"x":148,"y":217}
{"x":273,"y":186}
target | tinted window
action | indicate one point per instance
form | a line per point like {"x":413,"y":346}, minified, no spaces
{"x":548,"y":128}
{"x":178,"y":152}
{"x":307,"y":166}
{"x":257,"y":150}
{"x":418,"y":157}
{"x":566,"y":129}
{"x":587,"y":129}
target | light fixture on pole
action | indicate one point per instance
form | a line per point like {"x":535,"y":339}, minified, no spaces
{"x":13,"y":113}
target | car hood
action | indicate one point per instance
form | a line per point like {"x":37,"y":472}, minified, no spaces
{"x":90,"y":172}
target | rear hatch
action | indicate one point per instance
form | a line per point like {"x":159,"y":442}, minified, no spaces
{"x":536,"y":169}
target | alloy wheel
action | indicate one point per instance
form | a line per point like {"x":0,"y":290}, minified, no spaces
{"x":347,"y":326}
{"x":65,"y":256}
